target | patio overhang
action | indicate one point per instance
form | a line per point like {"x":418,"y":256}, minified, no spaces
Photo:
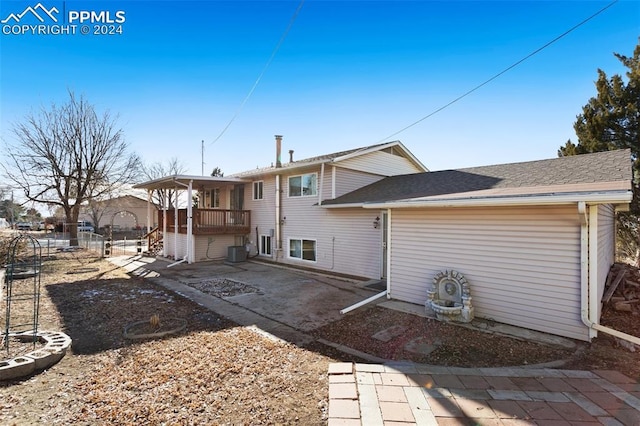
{"x":170,"y":182}
{"x":220,"y":223}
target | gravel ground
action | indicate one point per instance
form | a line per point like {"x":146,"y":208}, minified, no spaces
{"x":214,"y":372}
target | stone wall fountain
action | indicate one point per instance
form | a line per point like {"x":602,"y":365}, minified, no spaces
{"x":449,"y":298}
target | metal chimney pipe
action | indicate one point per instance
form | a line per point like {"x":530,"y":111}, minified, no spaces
{"x":291,"y":156}
{"x":278,"y":151}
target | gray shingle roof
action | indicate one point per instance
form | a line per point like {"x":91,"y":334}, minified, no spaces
{"x":610,"y":166}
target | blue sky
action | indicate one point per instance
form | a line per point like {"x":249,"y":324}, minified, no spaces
{"x":348,"y":74}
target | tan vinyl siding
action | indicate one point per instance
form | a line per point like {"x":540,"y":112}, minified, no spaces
{"x":349,"y":180}
{"x":381,"y":163}
{"x":210,"y":247}
{"x":606,"y":245}
{"x":523,"y":263}
{"x":263,"y":212}
{"x":346,"y":241}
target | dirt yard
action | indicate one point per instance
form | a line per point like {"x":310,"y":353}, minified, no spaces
{"x":215,"y":372}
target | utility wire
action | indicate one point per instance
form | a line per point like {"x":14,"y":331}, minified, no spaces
{"x":501,"y":72}
{"x":264,"y":70}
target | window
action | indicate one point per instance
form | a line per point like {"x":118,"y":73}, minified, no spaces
{"x":303,"y":185}
{"x":257,"y":190}
{"x":303,"y":249}
{"x":265,"y":245}
{"x":211,"y":199}
{"x":215,"y":198}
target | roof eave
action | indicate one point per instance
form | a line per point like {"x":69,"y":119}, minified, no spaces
{"x":167,"y":181}
{"x":342,"y":206}
{"x":610,"y":197}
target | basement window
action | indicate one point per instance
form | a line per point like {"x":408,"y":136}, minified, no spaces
{"x":302,"y":249}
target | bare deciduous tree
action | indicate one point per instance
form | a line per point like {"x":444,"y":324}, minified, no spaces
{"x":68,"y":155}
{"x":164,"y":197}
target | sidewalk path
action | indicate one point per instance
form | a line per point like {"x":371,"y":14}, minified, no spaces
{"x":415,"y":394}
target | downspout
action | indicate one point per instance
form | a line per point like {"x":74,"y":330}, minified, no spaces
{"x":278,"y":197}
{"x":164,"y":225}
{"x":588,"y":287}
{"x":149,"y":199}
{"x":388,"y":250}
{"x":278,"y":223}
{"x":321,"y":184}
{"x":363,"y":302}
{"x":387,"y":292}
{"x":175,"y":225}
{"x":190,"y":254}
{"x":333,"y":182}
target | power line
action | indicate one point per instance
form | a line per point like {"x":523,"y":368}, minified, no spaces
{"x":501,"y":72}
{"x":273,"y":54}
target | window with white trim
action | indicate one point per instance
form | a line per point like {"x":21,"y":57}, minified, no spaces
{"x":215,"y":198}
{"x":257,"y":190}
{"x":211,"y":198}
{"x":303,"y":185}
{"x":302,"y":249}
{"x":265,"y":245}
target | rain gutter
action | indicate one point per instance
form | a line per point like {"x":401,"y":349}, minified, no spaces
{"x":608,"y":197}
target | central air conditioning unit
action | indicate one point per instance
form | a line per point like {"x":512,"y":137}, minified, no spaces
{"x":236,"y":254}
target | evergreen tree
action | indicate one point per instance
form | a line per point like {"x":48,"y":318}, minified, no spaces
{"x":609,"y":121}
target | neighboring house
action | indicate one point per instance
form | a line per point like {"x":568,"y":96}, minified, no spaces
{"x":121,"y":213}
{"x":535,"y":240}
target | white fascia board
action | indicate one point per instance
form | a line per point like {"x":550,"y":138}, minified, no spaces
{"x":286,"y":169}
{"x":168,"y":181}
{"x":613,"y":197}
{"x":342,"y":206}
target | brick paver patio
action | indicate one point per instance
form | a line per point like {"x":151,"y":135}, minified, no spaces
{"x":415,"y":394}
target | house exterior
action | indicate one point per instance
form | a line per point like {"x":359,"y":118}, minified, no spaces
{"x":535,"y":240}
{"x":277,"y":211}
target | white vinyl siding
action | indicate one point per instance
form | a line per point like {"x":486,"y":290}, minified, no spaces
{"x":171,"y":241}
{"x":606,"y":245}
{"x":263,"y":212}
{"x":208,"y":247}
{"x":523,"y":264}
{"x":346,"y":241}
{"x":349,"y":180}
{"x":381,"y":163}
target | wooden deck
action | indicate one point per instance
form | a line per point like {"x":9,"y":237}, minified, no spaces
{"x":209,"y":221}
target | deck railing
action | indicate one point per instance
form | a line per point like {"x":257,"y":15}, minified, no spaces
{"x":209,"y":221}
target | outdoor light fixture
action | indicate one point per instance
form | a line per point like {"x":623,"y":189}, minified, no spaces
{"x":376,"y":222}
